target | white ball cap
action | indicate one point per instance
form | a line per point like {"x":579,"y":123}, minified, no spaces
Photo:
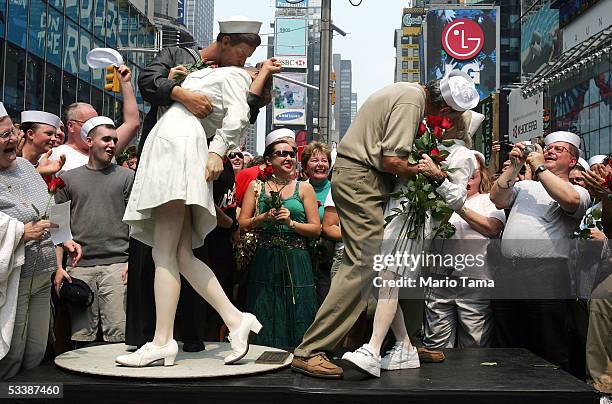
{"x":562,"y":136}
{"x":598,"y":159}
{"x":278,"y":134}
{"x":3,"y":112}
{"x":101,"y":57}
{"x":46,"y":118}
{"x":239,"y":24}
{"x":459,"y":91}
{"x":94,"y":122}
{"x":583,"y":163}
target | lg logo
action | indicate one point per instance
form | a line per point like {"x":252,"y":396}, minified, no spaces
{"x":462,"y":39}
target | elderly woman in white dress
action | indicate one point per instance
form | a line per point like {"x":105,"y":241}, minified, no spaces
{"x":389,"y":314}
{"x":171,"y":207}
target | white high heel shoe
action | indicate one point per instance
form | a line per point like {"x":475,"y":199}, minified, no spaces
{"x":239,"y":339}
{"x":149,"y":353}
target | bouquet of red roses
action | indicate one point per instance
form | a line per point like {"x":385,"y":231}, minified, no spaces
{"x":419,"y":200}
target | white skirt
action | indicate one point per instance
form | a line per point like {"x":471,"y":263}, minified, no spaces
{"x":172,"y":167}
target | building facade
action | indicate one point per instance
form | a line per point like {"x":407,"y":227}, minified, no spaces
{"x":44,"y":46}
{"x":199,"y":20}
{"x":249,"y":140}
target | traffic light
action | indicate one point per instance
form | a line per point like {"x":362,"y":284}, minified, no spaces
{"x":111,"y":79}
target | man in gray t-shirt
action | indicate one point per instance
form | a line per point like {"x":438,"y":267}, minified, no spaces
{"x":99,"y":192}
{"x":536,"y":242}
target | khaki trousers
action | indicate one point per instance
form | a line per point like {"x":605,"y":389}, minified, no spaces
{"x":359,"y":193}
{"x":28,"y":347}
{"x":599,"y":338}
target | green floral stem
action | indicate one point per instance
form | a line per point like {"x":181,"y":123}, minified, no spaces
{"x":30,"y":291}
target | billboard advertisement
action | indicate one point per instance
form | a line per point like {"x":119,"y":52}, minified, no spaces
{"x":291,"y":3}
{"x":570,"y":10}
{"x":464,"y":39}
{"x":289,"y":101}
{"x":412,"y":21}
{"x":540,"y":39}
{"x":290,"y":39}
{"x":525,"y":116}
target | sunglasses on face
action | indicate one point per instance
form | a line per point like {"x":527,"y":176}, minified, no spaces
{"x":284,"y":153}
{"x":233,"y":155}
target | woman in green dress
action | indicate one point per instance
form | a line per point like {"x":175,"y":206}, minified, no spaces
{"x":280,"y":287}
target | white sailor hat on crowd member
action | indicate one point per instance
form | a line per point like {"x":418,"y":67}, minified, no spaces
{"x":40,"y":117}
{"x":101,"y":57}
{"x":459,"y":91}
{"x":3,"y":112}
{"x":562,"y":136}
{"x":479,"y":154}
{"x":247,"y":154}
{"x":94,"y":122}
{"x":583,"y":163}
{"x":278,"y":134}
{"x":598,"y":159}
{"x":239,"y":24}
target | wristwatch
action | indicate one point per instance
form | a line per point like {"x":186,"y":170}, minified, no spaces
{"x":438,"y":182}
{"x":540,"y":169}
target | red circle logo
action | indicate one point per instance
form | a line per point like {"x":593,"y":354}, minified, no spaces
{"x":462,"y":39}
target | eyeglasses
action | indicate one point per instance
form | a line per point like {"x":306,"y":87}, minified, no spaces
{"x":76,"y":120}
{"x":284,"y":153}
{"x":6,"y":135}
{"x":233,"y":155}
{"x":557,"y":149}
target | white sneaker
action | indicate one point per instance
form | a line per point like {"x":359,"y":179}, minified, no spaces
{"x":239,"y":339}
{"x":400,"y":358}
{"x":366,"y":359}
{"x":148,"y":354}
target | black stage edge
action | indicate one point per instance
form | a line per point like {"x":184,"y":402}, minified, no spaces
{"x":518,"y":377}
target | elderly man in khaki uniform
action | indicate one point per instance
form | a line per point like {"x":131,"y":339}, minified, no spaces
{"x":371,"y":153}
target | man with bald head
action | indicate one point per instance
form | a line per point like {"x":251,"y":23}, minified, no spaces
{"x":75,"y":149}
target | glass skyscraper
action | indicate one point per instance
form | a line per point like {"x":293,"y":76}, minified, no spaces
{"x":44,"y":46}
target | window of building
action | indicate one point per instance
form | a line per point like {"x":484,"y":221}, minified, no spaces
{"x":58,"y":4}
{"x":35,"y":80}
{"x":55,"y":37}
{"x":84,"y":48}
{"x":71,"y":51}
{"x":83,"y":92}
{"x":87,"y":12}
{"x":69,"y":89}
{"x":99,"y":28}
{"x":38,"y":28}
{"x":124,"y":23}
{"x":72,"y":10}
{"x":111,"y":23}
{"x":17,"y":18}
{"x":14,"y":77}
{"x":53,"y":90}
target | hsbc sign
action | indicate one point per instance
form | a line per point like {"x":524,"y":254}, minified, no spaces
{"x":462,"y":39}
{"x":296,"y":63}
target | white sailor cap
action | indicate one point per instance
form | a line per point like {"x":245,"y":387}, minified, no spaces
{"x":562,"y":136}
{"x":278,"y":134}
{"x":479,"y":154}
{"x":474,"y":120}
{"x":583,"y":163}
{"x":598,"y":159}
{"x":247,"y":154}
{"x":3,"y":112}
{"x":40,"y":117}
{"x":459,"y":91}
{"x":101,"y":57}
{"x":239,"y":24}
{"x":94,"y":122}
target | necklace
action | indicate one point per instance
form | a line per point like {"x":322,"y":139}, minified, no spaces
{"x":280,"y":181}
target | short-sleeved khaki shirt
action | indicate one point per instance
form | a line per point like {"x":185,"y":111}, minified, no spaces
{"x":385,"y":125}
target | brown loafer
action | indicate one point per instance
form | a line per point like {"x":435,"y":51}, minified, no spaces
{"x":429,"y":355}
{"x":316,"y":366}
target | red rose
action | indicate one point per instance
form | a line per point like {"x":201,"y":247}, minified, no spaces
{"x":608,"y":183}
{"x":319,"y":204}
{"x":434,"y":152}
{"x":266,"y":174}
{"x":446,"y":123}
{"x":438,"y":132}
{"x":422,"y":129}
{"x":433,"y":120}
{"x":48,"y":179}
{"x":55,"y":185}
